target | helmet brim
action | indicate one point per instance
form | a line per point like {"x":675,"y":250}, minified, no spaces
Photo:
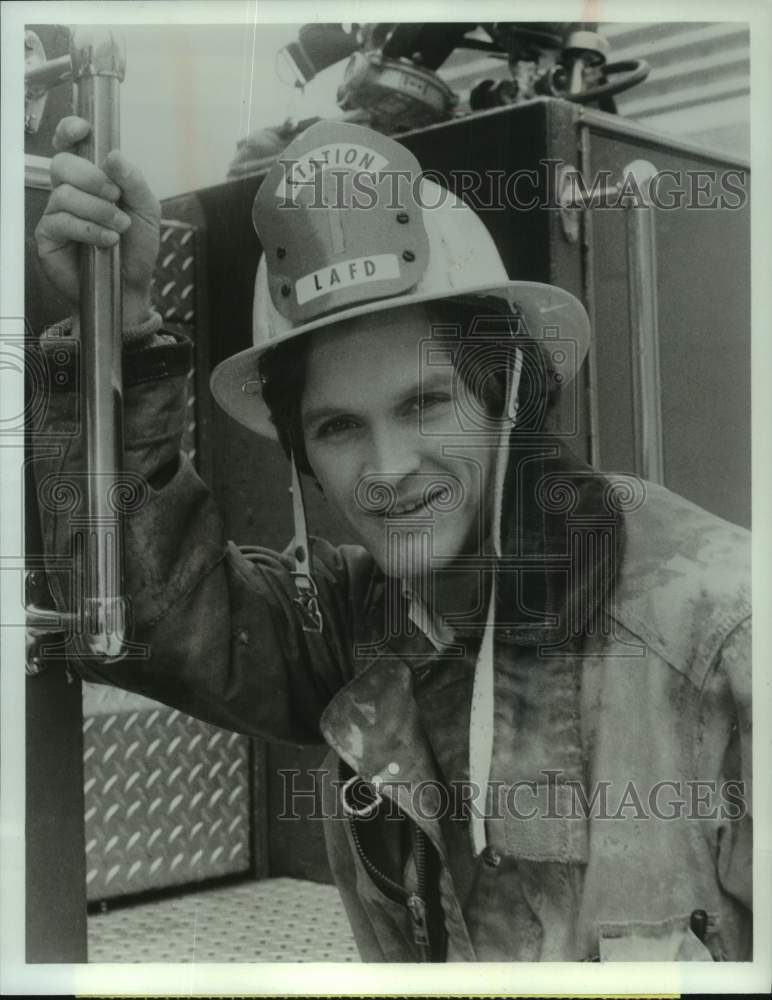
{"x":552,"y":316}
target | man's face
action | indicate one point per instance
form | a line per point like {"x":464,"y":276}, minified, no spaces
{"x":385,"y":438}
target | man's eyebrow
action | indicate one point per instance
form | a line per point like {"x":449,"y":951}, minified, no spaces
{"x":321,"y":413}
{"x":433,"y":379}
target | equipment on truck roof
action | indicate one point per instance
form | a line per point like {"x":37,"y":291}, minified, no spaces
{"x":397,"y":77}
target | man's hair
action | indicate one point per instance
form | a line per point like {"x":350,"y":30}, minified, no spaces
{"x":481,"y":334}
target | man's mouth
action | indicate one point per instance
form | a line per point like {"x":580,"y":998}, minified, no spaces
{"x":430,"y":501}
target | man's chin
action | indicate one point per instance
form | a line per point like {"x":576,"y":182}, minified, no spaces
{"x":409,"y":561}
{"x":411,"y":551}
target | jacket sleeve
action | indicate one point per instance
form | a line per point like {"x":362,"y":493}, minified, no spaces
{"x":731,"y":682}
{"x":215,"y":633}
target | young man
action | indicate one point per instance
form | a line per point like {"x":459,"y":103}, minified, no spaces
{"x":534,"y":680}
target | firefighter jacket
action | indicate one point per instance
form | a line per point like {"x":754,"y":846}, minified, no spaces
{"x":622,"y":726}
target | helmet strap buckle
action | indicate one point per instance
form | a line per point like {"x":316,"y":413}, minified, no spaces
{"x":307,"y":602}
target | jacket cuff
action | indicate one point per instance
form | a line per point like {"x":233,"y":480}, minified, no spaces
{"x":139,"y":364}
{"x":147,"y":364}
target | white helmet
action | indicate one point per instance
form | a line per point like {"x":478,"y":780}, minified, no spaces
{"x":349,"y":226}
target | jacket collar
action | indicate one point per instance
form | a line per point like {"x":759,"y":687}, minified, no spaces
{"x":373,"y":724}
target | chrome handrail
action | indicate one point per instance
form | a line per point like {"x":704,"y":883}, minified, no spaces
{"x":96,"y":624}
{"x":644,"y":325}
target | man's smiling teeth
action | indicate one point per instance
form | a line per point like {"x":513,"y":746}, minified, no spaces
{"x":441,"y":494}
{"x":406,"y":508}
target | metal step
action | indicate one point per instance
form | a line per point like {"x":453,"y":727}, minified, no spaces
{"x":270,"y":920}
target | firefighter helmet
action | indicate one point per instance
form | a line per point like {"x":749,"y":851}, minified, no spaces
{"x":350,"y":226}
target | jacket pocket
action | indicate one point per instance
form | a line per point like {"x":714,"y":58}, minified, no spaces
{"x":668,"y":940}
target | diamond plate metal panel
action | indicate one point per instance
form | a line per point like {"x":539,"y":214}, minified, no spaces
{"x":174,"y":278}
{"x":174,"y":296}
{"x":166,"y":801}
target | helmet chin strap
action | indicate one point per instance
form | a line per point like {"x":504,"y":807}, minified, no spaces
{"x":513,"y":388}
{"x":481,"y":718}
{"x":307,"y":600}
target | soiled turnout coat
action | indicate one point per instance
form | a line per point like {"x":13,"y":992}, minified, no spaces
{"x":622,"y":700}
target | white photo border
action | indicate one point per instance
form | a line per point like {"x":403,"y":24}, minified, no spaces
{"x":339,"y":978}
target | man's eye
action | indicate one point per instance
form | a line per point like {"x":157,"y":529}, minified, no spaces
{"x":429,"y":401}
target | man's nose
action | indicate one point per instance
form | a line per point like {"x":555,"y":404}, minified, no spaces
{"x":393,"y":454}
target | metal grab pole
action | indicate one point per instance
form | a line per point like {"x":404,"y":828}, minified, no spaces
{"x":644,"y":326}
{"x":98,"y":67}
